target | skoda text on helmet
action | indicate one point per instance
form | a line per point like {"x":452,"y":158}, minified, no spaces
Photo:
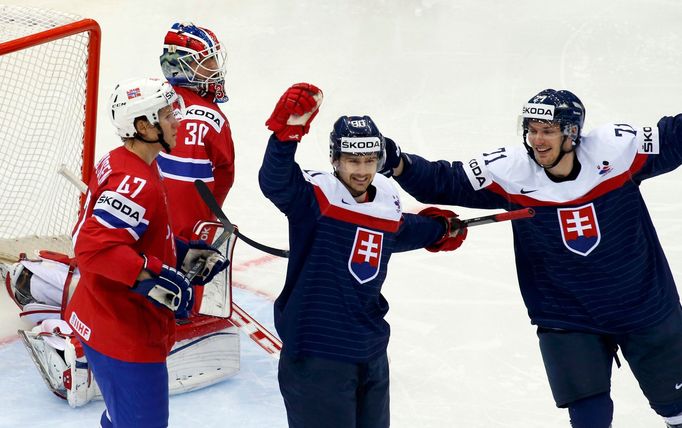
{"x":187,"y":57}
{"x":356,"y":135}
{"x":142,"y":98}
{"x":560,"y":107}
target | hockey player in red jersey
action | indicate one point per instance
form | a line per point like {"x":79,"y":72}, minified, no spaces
{"x":132,"y":283}
{"x":591,"y":269}
{"x":343,"y":228}
{"x":193,"y":61}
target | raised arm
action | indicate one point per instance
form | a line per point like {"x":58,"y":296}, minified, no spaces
{"x":280,"y":178}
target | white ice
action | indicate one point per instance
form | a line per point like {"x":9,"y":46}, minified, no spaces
{"x":445,"y":79}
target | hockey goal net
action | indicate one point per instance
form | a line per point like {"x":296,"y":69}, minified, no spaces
{"x":49,"y":69}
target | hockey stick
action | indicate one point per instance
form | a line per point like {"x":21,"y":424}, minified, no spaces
{"x":69,"y":175}
{"x":240,"y":317}
{"x":494,"y":218}
{"x":208,"y":198}
{"x":256,"y":331}
{"x":212,"y":204}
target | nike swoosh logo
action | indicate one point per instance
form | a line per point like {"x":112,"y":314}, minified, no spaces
{"x":525,"y":192}
{"x":347,"y":203}
{"x":678,"y":385}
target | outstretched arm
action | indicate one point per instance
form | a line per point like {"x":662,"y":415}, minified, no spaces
{"x":439,"y":182}
{"x":433,"y":229}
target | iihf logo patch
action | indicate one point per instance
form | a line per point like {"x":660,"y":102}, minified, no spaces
{"x":604,"y":168}
{"x":364,"y":260}
{"x":396,"y":202}
{"x":579,"y":229}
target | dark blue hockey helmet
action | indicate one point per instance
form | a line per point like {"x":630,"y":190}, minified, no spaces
{"x":356,"y":135}
{"x":562,"y":107}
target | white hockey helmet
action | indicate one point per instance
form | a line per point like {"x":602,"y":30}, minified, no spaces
{"x":141,"y":97}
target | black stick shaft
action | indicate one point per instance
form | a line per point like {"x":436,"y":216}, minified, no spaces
{"x":212,"y":204}
{"x":494,"y":218}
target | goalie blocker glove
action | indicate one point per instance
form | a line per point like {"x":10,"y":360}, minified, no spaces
{"x":196,"y":251}
{"x":295,"y":110}
{"x":168,"y":287}
{"x":455,"y":229}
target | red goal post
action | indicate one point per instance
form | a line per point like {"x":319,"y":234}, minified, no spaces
{"x":49,"y":74}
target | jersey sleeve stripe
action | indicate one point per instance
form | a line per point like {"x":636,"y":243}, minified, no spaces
{"x":187,"y":170}
{"x":112,"y":222}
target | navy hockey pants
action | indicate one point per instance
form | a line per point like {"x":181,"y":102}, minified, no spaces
{"x":332,"y":394}
{"x":135,"y":394}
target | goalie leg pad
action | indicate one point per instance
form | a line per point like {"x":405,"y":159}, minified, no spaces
{"x":41,"y":287}
{"x":49,"y":361}
{"x":48,"y":281}
{"x":48,"y":284}
{"x":204,"y":360}
{"x":17,"y":282}
{"x":61,"y":362}
{"x":79,"y":381}
{"x":207,"y":352}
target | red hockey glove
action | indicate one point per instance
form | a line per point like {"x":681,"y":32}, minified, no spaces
{"x":294,"y":112}
{"x":455,"y":230}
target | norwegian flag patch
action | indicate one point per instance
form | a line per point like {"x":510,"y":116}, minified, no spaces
{"x":133,"y":93}
{"x":365,"y":258}
{"x":579,"y":228}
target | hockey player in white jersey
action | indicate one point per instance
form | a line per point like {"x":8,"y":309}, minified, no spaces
{"x":591,"y":269}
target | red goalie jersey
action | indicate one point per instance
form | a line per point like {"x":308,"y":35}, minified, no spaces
{"x":204,"y":151}
{"x":125,"y":216}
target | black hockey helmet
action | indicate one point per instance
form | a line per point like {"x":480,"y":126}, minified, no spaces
{"x":356,"y":135}
{"x":551,"y":106}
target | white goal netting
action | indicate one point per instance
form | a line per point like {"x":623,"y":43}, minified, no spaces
{"x":43,"y":92}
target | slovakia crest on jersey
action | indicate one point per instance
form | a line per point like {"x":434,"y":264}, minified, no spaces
{"x":363,"y":262}
{"x":579,"y":229}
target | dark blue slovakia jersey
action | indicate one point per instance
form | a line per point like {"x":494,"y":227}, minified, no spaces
{"x":331,"y":304}
{"x":590,"y":259}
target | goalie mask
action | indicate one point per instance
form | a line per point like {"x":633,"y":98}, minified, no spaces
{"x":193,"y":58}
{"x":554,"y":107}
{"x":356,"y":135}
{"x":142,"y":98}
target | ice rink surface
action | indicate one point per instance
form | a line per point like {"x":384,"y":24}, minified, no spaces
{"x":445,"y":79}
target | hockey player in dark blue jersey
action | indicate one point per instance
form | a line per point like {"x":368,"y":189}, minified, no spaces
{"x":590,"y":266}
{"x":343,"y":228}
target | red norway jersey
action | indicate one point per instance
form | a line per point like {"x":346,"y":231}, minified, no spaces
{"x":125,"y":215}
{"x":204,"y":151}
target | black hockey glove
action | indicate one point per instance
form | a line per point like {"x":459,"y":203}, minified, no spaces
{"x":392,"y":158}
